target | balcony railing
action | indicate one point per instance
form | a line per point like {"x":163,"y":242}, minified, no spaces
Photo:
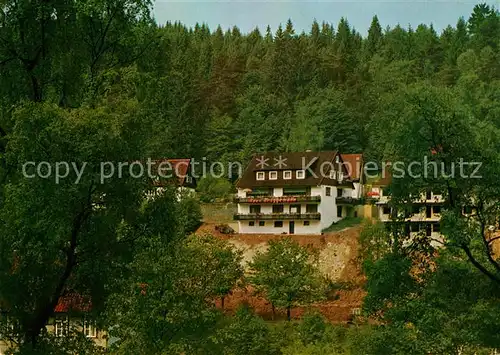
{"x":281,"y":199}
{"x":347,"y":201}
{"x":275,"y":216}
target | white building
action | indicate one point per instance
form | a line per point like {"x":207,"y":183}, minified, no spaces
{"x":293,"y":193}
{"x":422,"y":217}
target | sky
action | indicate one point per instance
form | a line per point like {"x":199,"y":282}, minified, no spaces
{"x":251,"y":13}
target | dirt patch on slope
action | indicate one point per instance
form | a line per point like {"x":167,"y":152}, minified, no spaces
{"x":338,"y":260}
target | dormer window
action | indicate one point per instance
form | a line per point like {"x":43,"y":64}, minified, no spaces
{"x":273,"y":175}
{"x":287,"y":175}
{"x":261,"y":175}
{"x":341,"y":176}
{"x":300,"y":174}
{"x":333,"y":174}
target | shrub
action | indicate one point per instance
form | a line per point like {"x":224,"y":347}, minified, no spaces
{"x":211,"y":188}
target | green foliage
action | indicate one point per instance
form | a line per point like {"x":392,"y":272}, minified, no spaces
{"x":167,"y":303}
{"x":285,"y":274}
{"x":312,"y":328}
{"x":222,"y":263}
{"x":246,"y":333}
{"x":190,"y":214}
{"x":375,"y":242}
{"x":388,"y":279}
{"x":211,"y":188}
{"x":91,"y":82}
{"x":346,"y":222}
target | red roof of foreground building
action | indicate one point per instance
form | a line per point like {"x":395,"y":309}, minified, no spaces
{"x":73,"y":302}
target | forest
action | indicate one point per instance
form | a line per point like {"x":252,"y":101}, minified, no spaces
{"x":92,"y":81}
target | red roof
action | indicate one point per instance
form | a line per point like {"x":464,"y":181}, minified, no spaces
{"x":179,"y":168}
{"x":73,"y":302}
{"x":353,"y":164}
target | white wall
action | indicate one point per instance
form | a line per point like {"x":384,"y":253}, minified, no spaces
{"x":268,"y":228}
{"x":357,"y":192}
{"x":328,"y":207}
{"x":268,"y":207}
{"x":242,"y":193}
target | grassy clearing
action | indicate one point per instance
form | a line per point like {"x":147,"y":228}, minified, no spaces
{"x":344,"y":223}
{"x":218,"y":212}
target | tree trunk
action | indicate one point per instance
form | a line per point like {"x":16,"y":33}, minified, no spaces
{"x":222,"y":302}
{"x":273,"y":310}
{"x":288,"y":311}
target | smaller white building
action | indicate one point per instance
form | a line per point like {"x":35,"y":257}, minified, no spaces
{"x":421,"y":218}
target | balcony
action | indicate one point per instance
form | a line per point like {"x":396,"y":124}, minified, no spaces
{"x":281,"y":199}
{"x":347,"y":201}
{"x":275,"y":216}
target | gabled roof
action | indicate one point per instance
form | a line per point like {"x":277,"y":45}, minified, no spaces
{"x":316,"y":164}
{"x":180,"y":168}
{"x":74,"y":302}
{"x":354,"y":165}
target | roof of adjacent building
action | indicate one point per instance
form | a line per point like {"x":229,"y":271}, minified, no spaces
{"x":316,"y":164}
{"x":179,"y":169}
{"x":385,"y":178}
{"x":354,"y":165}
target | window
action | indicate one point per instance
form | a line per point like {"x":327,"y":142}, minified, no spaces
{"x":415,"y":209}
{"x":287,"y":174}
{"x":436,"y":227}
{"x":261,"y":175}
{"x":262,"y":223}
{"x":436,"y":209}
{"x":300,"y":174}
{"x":306,"y":223}
{"x":337,"y":159}
{"x":341,"y":176}
{"x":333,"y":174}
{"x":386,"y":210}
{"x":278,"y":208}
{"x":339,"y":192}
{"x":428,"y":212}
{"x":428,"y":230}
{"x":428,"y":195}
{"x":260,"y":192}
{"x":339,"y":211}
{"x":294,"y":208}
{"x":278,"y":224}
{"x":251,"y":223}
{"x":356,"y":311}
{"x":254,"y":208}
{"x":311,"y":208}
{"x":468,"y":210}
{"x":415,"y":227}
{"x":89,"y":328}
{"x":61,"y":327}
{"x":328,"y":191}
{"x":273,"y":175}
